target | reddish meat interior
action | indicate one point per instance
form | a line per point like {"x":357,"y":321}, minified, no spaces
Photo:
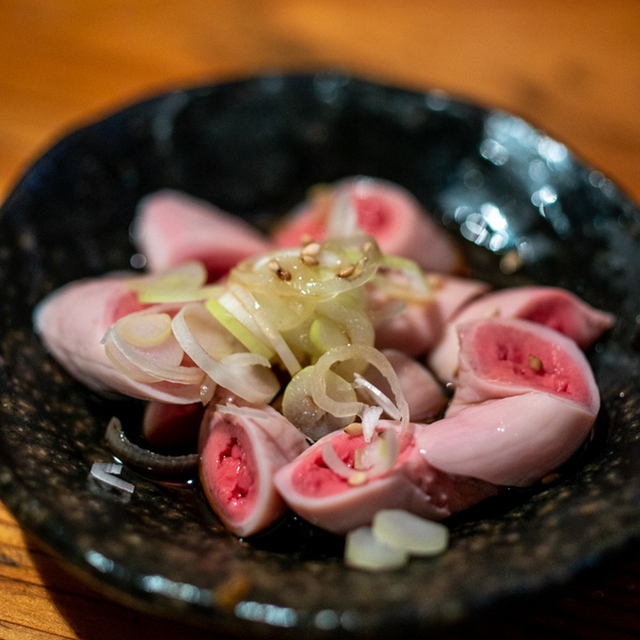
{"x":228,"y":472}
{"x":515,"y":356}
{"x":313,"y":478}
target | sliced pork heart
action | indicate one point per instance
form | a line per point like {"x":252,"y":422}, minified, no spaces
{"x":171,"y":228}
{"x":511,"y":441}
{"x":321,"y":496}
{"x":418,"y":328}
{"x":383,"y":210}
{"x":550,"y":306}
{"x":500,"y":358}
{"x":72,"y":322}
{"x":241,"y":450}
{"x":170,"y":426}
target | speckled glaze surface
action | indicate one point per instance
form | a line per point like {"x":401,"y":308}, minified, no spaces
{"x":254,"y":147}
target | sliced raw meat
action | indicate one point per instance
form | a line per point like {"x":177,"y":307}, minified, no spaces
{"x":326,"y":499}
{"x":512,"y":441}
{"x":384,"y":210}
{"x":242,"y":448}
{"x":423,"y":393}
{"x":553,"y":307}
{"x":417,"y":328}
{"x":171,"y":228}
{"x":72,"y":322}
{"x":500,"y":358}
{"x":170,"y":426}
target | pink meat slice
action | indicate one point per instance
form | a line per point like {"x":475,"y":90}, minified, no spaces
{"x":322,"y":497}
{"x":423,"y":393}
{"x":240,"y":453}
{"x":500,"y":358}
{"x":510,"y":441}
{"x":72,"y":321}
{"x":384,"y":210}
{"x":171,"y":228}
{"x":419,"y":327}
{"x":550,"y":306}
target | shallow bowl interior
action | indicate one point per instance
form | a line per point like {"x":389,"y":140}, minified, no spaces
{"x":253,"y":148}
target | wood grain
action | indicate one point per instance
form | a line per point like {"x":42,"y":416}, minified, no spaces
{"x":571,"y":67}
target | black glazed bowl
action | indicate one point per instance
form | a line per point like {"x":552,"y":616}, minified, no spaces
{"x":253,"y":148}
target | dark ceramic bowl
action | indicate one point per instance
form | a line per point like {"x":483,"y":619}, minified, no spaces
{"x":253,"y":148}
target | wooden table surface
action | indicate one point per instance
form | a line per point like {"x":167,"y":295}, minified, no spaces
{"x":572,"y":68}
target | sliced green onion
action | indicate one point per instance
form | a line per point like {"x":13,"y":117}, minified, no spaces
{"x":230,"y":322}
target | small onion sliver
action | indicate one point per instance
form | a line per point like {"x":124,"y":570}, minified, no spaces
{"x":377,"y":396}
{"x":342,"y":220}
{"x":245,"y":359}
{"x":268,"y":328}
{"x":335,"y":462}
{"x":370,"y":417}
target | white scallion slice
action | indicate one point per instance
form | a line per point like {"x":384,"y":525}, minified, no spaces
{"x":173,"y":285}
{"x":406,"y":531}
{"x":147,"y":330}
{"x":268,"y":328}
{"x":381,"y":454}
{"x":364,"y":551}
{"x":107,"y":472}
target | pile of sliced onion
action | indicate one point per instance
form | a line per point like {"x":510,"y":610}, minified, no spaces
{"x":342,"y":264}
{"x":254,"y":381}
{"x":394,"y":536}
{"x":369,"y":355}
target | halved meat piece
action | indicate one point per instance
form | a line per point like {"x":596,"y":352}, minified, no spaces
{"x":510,"y":441}
{"x":171,"y":228}
{"x":500,"y":358}
{"x":72,"y":322}
{"x":550,"y":306}
{"x":169,"y":426}
{"x":326,"y":499}
{"x":241,"y":450}
{"x":383,"y":210}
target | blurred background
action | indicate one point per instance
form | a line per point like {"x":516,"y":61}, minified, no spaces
{"x":570,"y":67}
